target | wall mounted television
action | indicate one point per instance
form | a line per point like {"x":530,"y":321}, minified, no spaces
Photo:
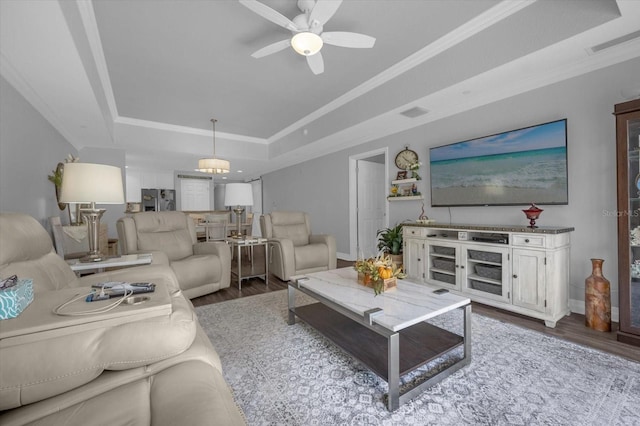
{"x":517,"y":167}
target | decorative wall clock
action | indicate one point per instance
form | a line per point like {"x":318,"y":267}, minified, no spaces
{"x":406,"y":158}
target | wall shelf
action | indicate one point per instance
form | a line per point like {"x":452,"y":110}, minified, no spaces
{"x":406,"y":198}
{"x":403,"y":181}
{"x":404,"y":190}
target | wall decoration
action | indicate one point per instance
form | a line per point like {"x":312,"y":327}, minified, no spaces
{"x":406,"y":158}
{"x":508,"y":168}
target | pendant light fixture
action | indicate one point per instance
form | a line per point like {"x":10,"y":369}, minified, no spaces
{"x":213,"y":165}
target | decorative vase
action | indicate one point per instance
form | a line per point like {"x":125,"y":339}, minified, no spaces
{"x":532,"y":213}
{"x":597,"y":299}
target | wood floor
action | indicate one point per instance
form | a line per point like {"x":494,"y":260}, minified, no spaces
{"x":570,"y":328}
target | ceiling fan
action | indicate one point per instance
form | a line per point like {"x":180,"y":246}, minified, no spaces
{"x":307,"y":29}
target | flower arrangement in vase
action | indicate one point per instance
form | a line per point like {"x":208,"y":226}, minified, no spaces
{"x":379,"y":273}
{"x":414,"y":170}
{"x":56,"y":178}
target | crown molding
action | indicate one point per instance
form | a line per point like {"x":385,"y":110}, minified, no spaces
{"x":481,"y":22}
{"x":452,"y":100}
{"x":186,"y":130}
{"x":88,"y":17}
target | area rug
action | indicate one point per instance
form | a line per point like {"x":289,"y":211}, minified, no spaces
{"x":291,"y":375}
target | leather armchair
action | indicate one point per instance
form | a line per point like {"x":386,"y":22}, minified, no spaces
{"x":295,"y":250}
{"x":201,"y":267}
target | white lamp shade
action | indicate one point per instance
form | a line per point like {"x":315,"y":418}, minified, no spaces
{"x":91,"y":183}
{"x":238,"y":194}
{"x":306,"y":43}
{"x":213,"y":165}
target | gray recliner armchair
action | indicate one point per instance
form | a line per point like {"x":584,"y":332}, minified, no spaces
{"x":201,"y":267}
{"x":294,"y":249}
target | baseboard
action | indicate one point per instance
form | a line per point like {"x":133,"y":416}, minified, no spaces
{"x":577,"y":306}
{"x":344,"y":256}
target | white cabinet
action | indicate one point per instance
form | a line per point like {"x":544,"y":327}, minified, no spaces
{"x":486,"y":271}
{"x":136,"y":180}
{"x":164,"y":180}
{"x":134,"y":186}
{"x":443,"y":264}
{"x":518,"y":269}
{"x":469,"y":268}
{"x":413,"y":255}
{"x":528,"y":280}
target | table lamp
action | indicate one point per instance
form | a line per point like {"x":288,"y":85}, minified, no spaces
{"x":87,"y":183}
{"x":238,"y":195}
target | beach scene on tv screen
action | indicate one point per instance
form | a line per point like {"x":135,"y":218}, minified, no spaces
{"x":517,"y":167}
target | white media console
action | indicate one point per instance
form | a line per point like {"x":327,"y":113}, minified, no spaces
{"x":516,"y":268}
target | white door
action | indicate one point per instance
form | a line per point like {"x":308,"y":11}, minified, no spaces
{"x":371,"y":188}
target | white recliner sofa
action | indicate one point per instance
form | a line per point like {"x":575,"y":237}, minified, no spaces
{"x":116,"y":368}
{"x":201,"y":267}
{"x":294,"y":249}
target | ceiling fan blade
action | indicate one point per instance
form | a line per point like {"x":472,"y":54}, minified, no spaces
{"x":272,"y":48}
{"x":323,"y":11}
{"x":267,"y":13}
{"x":347,"y":39}
{"x":316,"y":63}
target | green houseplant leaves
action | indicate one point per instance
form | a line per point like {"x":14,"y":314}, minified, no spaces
{"x":390,"y":240}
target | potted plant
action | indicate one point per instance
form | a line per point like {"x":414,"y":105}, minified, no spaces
{"x":390,"y":242}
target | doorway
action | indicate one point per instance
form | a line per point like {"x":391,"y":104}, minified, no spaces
{"x":368,"y":208}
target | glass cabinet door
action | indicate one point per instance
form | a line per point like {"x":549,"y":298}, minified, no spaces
{"x":628,"y":149}
{"x":633,"y":144}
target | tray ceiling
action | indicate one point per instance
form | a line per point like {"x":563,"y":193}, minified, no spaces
{"x":147,"y":76}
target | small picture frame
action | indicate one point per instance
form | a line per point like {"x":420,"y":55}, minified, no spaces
{"x":402,"y":174}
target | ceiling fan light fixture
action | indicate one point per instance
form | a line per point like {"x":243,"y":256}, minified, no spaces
{"x":213,"y":165}
{"x":306,"y":43}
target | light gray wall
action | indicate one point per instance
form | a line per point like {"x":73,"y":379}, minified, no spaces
{"x":320,"y":186}
{"x":30,"y":149}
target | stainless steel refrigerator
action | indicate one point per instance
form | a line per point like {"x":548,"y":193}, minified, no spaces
{"x":157,"y":200}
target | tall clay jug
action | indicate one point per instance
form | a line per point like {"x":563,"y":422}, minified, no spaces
{"x":597,"y":299}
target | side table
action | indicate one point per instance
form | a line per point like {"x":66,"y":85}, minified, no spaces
{"x":124,"y":261}
{"x":250,"y":242}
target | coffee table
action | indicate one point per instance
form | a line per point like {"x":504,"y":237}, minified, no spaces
{"x":387,"y":333}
